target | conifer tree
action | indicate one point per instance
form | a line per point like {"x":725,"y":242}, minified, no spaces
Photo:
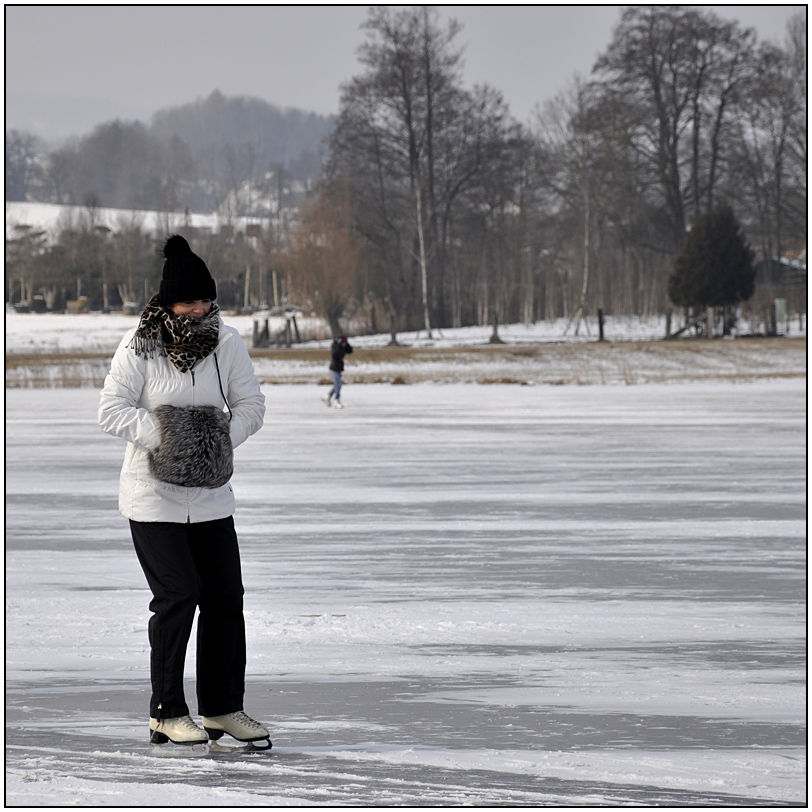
{"x":715,"y":265}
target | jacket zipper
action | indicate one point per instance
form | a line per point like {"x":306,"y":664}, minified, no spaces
{"x":194,"y":403}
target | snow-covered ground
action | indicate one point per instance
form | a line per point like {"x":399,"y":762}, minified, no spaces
{"x":50,"y":332}
{"x":74,"y":350}
{"x":52,"y":218}
{"x":456,"y":595}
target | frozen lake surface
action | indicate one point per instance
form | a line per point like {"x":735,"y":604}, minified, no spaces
{"x":456,"y":595}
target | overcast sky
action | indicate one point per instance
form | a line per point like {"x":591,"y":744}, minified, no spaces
{"x":71,"y":67}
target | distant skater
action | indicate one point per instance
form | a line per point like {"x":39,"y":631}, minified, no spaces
{"x":338,"y":349}
{"x":182,"y":392}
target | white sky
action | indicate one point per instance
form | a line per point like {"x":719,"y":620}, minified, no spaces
{"x":128,"y":61}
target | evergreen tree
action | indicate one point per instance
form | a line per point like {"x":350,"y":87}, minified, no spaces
{"x":715,"y":266}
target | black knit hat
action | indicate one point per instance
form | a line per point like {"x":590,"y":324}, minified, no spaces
{"x":186,"y":277}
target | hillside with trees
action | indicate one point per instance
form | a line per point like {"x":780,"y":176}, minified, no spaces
{"x":190,"y":157}
{"x":430,"y":206}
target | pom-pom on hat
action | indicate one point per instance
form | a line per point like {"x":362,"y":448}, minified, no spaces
{"x":186,"y":277}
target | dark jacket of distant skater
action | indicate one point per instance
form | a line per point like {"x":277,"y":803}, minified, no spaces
{"x":339,"y":348}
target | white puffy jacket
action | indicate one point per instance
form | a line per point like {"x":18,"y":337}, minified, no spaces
{"x":136,"y":385}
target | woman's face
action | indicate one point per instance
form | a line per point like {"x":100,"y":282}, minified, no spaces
{"x":196,"y":309}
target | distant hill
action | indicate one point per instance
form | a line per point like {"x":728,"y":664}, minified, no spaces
{"x":194,"y":156}
{"x":277,"y":136}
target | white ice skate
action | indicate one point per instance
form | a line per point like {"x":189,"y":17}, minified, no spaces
{"x":240,"y":726}
{"x":338,"y":405}
{"x":326,"y":399}
{"x":178,"y":730}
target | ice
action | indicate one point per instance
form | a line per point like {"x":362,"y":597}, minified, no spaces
{"x":455,"y":595}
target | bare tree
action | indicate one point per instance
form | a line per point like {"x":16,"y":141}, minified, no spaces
{"x":673,"y":72}
{"x":325,"y":261}
{"x":409,"y":91}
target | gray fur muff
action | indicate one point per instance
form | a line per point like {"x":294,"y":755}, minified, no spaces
{"x":195,"y":449}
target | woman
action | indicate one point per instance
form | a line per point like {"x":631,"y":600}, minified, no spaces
{"x":338,"y":349}
{"x":171,"y":380}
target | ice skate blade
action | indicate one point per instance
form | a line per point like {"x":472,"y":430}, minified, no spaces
{"x":170,"y":750}
{"x":243,"y":748}
{"x":215,"y":734}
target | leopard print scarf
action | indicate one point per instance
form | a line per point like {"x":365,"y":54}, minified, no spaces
{"x":184,"y":339}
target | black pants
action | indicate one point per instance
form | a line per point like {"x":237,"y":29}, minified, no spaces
{"x":189,"y":566}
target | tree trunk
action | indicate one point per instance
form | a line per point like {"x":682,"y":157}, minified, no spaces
{"x":422,"y":259}
{"x":495,"y":334}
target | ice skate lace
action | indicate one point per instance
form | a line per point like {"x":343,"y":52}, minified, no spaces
{"x":187,"y":722}
{"x":242,"y":718}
